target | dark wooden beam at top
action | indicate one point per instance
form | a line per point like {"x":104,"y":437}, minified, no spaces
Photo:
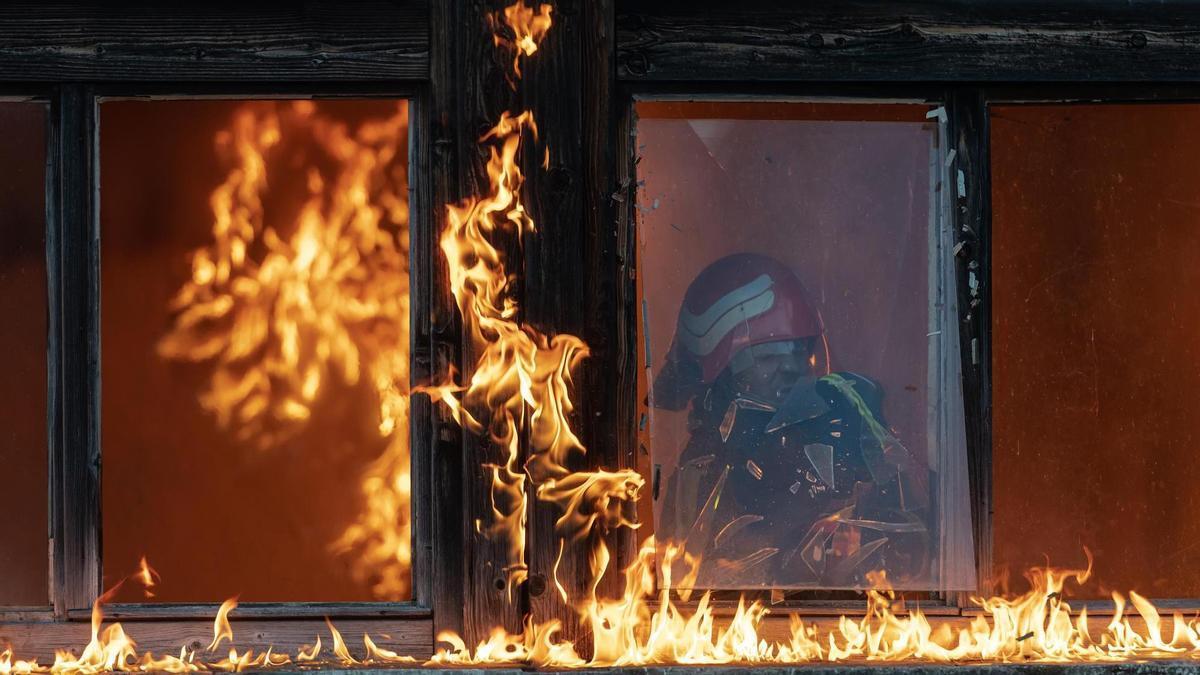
{"x":79,"y":41}
{"x":908,"y":40}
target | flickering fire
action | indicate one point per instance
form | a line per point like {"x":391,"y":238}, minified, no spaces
{"x":221,"y":628}
{"x":279,"y":309}
{"x":645,"y":626}
{"x":148,"y":576}
{"x":111,"y":649}
{"x":527,"y":25}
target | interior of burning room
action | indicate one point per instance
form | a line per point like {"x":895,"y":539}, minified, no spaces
{"x":255,"y":326}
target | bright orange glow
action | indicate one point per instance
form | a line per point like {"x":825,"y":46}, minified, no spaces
{"x":279,"y":313}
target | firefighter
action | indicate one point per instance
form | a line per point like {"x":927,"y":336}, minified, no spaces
{"x":790,"y":475}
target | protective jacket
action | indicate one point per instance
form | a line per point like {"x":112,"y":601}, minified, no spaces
{"x":814,"y":492}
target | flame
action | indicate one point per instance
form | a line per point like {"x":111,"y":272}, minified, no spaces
{"x":221,"y":628}
{"x":307,"y":653}
{"x":148,"y":576}
{"x":10,"y":665}
{"x":279,"y":313}
{"x":237,"y":663}
{"x":1036,"y":626}
{"x":112,"y":650}
{"x":527,"y":25}
{"x":380,"y":655}
{"x":339,"y":645}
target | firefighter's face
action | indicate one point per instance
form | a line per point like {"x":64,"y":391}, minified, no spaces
{"x":767,"y":372}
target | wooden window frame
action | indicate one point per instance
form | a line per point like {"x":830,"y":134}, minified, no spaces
{"x":79,"y":55}
{"x":798,"y":601}
{"x":966,"y":55}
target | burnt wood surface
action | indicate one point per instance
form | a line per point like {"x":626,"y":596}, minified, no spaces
{"x":207,"y":610}
{"x":914,"y":40}
{"x":568,"y":269}
{"x":76,"y":40}
{"x":73,"y":349}
{"x":467,"y":93}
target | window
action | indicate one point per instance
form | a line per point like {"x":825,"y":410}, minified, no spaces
{"x":255,"y":321}
{"x":1096,"y":233}
{"x":805,"y":422}
{"x":23,"y":557}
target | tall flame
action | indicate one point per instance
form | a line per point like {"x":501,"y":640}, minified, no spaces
{"x":522,"y":379}
{"x":279,"y":312}
{"x":221,"y":628}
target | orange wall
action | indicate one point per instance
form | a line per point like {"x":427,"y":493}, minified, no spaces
{"x":24,"y":557}
{"x":1096,"y":348}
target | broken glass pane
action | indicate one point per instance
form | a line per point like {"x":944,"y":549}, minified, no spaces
{"x":793,"y":260}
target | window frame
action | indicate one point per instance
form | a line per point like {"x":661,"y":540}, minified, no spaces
{"x":78,"y":522}
{"x":967,"y":55}
{"x":324,"y":51}
{"x":418,"y":605}
{"x":934,"y":96}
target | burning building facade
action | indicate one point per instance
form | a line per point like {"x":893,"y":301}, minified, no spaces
{"x":580,"y":334}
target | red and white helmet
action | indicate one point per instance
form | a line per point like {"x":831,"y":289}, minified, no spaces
{"x":741,"y":300}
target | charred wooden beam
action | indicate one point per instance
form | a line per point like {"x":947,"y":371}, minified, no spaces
{"x":909,"y":40}
{"x":569,"y":268}
{"x":74,"y":40}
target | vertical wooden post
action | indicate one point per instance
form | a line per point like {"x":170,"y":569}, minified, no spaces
{"x":468,"y":91}
{"x":73,"y":343}
{"x":567,"y":271}
{"x":423,"y":435}
{"x":570,"y":265}
{"x":968,"y":127}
